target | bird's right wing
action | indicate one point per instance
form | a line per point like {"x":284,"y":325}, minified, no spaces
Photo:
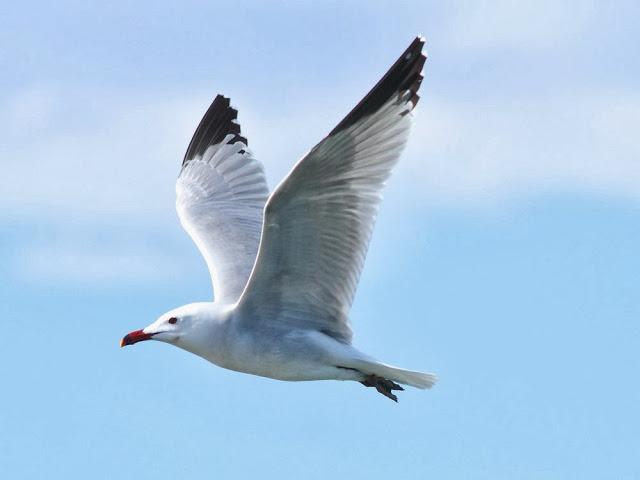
{"x":319,"y":220}
{"x":220,"y":196}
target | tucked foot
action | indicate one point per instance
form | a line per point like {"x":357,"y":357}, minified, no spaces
{"x":382,"y":385}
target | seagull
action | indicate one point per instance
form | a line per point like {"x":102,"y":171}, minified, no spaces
{"x":285,"y":266}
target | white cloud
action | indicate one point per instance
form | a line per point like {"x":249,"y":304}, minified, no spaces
{"x":97,"y":153}
{"x":113,"y":160}
{"x":50,"y":265}
{"x":82,"y":261}
{"x":476,"y":153}
{"x":81,"y":155}
{"x":102,"y":153}
{"x":122,"y":159}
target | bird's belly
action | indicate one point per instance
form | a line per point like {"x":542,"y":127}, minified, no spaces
{"x":289,"y":357}
{"x":286,"y":370}
{"x":275,"y":364}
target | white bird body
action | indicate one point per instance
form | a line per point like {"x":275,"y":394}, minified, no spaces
{"x":285,"y":266}
{"x":215,"y":333}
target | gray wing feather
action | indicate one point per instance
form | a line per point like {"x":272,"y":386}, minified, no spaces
{"x":318,"y":221}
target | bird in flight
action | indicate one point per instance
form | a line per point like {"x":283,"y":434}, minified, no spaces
{"x":285,"y":266}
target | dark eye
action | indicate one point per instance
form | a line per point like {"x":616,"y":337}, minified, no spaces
{"x":173,"y":320}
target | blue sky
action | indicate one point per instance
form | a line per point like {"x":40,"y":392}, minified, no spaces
{"x":504,"y":259}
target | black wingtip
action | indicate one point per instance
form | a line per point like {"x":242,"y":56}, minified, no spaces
{"x":218,"y":122}
{"x":404,"y":75}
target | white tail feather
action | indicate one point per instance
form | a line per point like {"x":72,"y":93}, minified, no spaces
{"x":400,"y":375}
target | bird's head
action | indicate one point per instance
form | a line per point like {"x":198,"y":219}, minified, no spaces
{"x":181,"y":327}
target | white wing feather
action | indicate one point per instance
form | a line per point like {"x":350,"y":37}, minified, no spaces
{"x":220,"y":195}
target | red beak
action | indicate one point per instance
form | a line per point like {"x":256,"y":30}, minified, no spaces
{"x":135,"y":337}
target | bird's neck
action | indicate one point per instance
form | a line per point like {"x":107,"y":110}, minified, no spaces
{"x":209,"y":329}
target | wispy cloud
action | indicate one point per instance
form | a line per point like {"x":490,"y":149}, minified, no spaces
{"x":97,"y":267}
{"x":474,"y":153}
{"x":93,"y":260}
{"x":124,"y":158}
{"x":93,"y":154}
{"x":120,"y":167}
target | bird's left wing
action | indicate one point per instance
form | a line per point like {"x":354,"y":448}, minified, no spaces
{"x":318,"y":221}
{"x":221,"y":192}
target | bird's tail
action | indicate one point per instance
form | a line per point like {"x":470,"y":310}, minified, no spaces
{"x":406,"y":377}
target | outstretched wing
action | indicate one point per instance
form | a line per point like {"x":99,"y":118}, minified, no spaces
{"x":221,"y":192}
{"x":319,"y":220}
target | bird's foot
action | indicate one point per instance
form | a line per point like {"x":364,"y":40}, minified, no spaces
{"x":382,"y":385}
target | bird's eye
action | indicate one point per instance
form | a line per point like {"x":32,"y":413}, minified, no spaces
{"x":173,"y":320}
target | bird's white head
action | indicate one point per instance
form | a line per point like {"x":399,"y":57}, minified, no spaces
{"x":184,"y":327}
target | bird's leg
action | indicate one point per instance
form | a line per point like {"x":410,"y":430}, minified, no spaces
{"x":382,"y":385}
